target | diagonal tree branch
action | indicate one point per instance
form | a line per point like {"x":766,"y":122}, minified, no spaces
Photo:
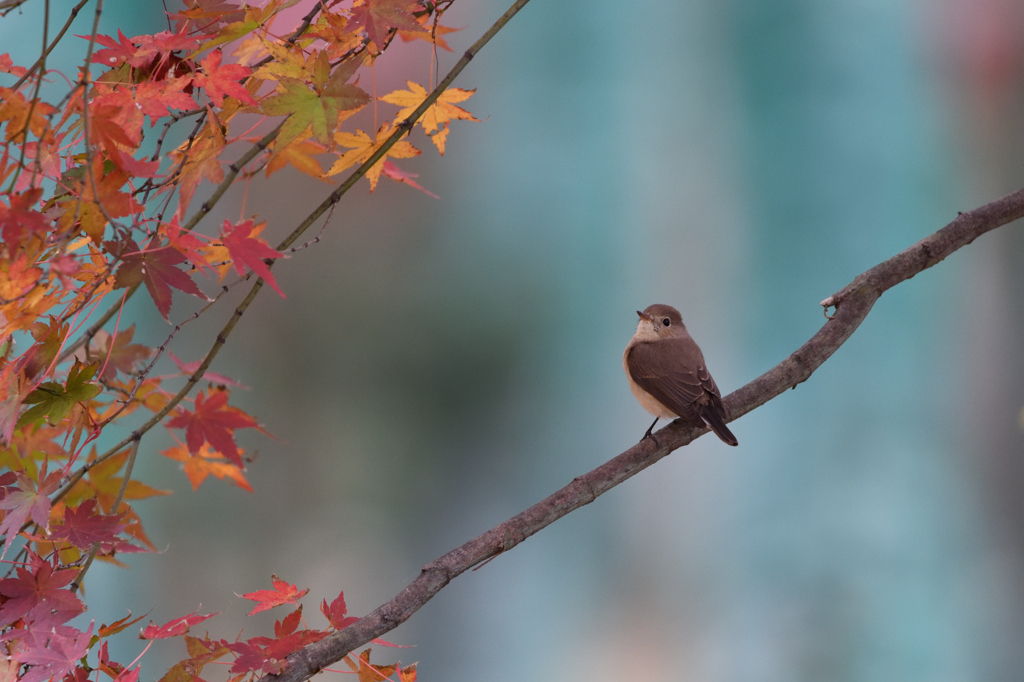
{"x":852,"y":304}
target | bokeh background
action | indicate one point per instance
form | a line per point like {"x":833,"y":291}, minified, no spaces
{"x":439,"y":365}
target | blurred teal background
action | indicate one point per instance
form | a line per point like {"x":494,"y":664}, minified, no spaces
{"x":439,"y":366}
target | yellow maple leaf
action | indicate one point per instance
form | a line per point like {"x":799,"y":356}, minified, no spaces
{"x":440,"y":112}
{"x":362,"y":148}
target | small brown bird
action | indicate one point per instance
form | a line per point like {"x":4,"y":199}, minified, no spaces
{"x":667,"y":374}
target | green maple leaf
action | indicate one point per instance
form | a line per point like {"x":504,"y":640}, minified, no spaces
{"x":54,"y":401}
{"x":317,"y":108}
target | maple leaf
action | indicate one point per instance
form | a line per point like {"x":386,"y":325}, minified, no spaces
{"x":117,"y":51}
{"x":439,"y":113}
{"x":7,"y":66}
{"x":157,"y":267}
{"x":200,"y":160}
{"x":206,"y":16}
{"x":317,"y":109}
{"x":106,"y":484}
{"x":300,"y":155}
{"x":156,"y":98}
{"x":189,"y":368}
{"x":367,"y":672}
{"x":392,"y":171}
{"x":85,"y":208}
{"x":333,"y":29}
{"x":23,"y":116}
{"x":121,"y":356}
{"x":174,"y":628}
{"x":407,"y":674}
{"x":283,"y":593}
{"x":187,"y":243}
{"x":364,"y":148}
{"x":214,"y":422}
{"x":250,"y":657}
{"x":248,"y":250}
{"x":201,"y":652}
{"x":288,"y":624}
{"x":377,"y":17}
{"x":428,"y":27}
{"x":114,"y":117}
{"x":266,"y":654}
{"x":52,"y":654}
{"x":206,"y":463}
{"x":37,"y":594}
{"x":337,"y":613}
{"x":21,"y":219}
{"x":28,"y":501}
{"x":53,"y":400}
{"x":18,"y":277}
{"x":119,"y":625}
{"x":219,"y":80}
{"x":107,"y":130}
{"x":85,"y":525}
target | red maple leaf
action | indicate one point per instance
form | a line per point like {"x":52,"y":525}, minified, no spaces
{"x":21,"y":218}
{"x":52,"y":653}
{"x":165,"y":41}
{"x":214,"y":421}
{"x":337,"y":613}
{"x":37,"y":595}
{"x":288,"y":624}
{"x":380,"y":16}
{"x":219,"y":81}
{"x":267,"y":654}
{"x":156,"y":98}
{"x":187,"y":243}
{"x":283,"y":593}
{"x":26,"y":502}
{"x":249,"y":656}
{"x":157,"y":267}
{"x":246,"y":250}
{"x":174,"y":628}
{"x":118,"y":51}
{"x":85,"y":525}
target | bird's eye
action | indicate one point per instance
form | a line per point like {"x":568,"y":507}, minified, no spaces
{"x":667,"y":322}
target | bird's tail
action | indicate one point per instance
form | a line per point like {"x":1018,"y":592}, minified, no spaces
{"x":713,"y":416}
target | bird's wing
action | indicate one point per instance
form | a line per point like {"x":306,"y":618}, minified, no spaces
{"x":673,"y":371}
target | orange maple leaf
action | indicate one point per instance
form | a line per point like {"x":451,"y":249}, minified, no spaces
{"x":14,"y":109}
{"x":300,"y":155}
{"x":363,"y":148}
{"x":105,"y":482}
{"x":427,"y":22}
{"x":366,"y":671}
{"x":207,"y":462}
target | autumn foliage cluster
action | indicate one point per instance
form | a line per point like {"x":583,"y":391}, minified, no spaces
{"x":104,"y":191}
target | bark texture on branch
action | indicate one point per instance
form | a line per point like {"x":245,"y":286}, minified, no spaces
{"x":851,"y":304}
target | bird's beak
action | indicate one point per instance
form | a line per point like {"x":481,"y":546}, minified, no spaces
{"x":643,"y":316}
